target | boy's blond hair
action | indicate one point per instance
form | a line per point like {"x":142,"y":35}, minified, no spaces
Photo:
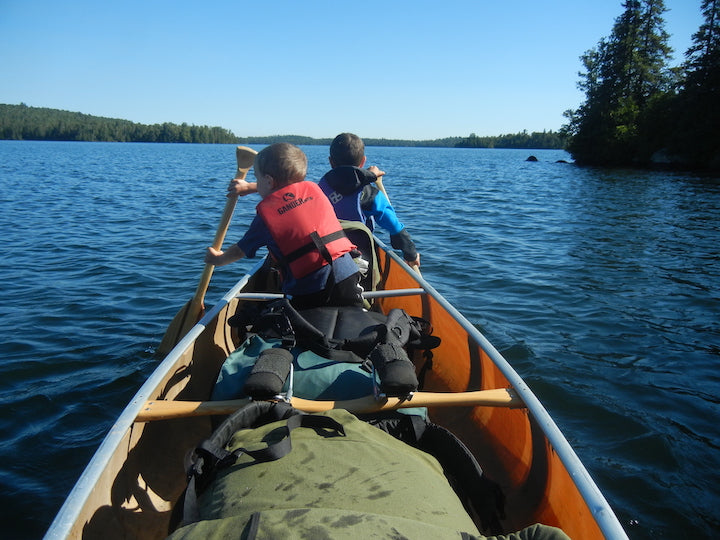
{"x":285,"y":162}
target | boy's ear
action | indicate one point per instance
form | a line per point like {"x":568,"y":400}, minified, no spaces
{"x":362,"y":163}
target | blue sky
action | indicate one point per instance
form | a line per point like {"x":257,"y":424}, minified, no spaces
{"x":394,"y":69}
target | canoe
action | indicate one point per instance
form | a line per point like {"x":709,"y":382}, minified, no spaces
{"x":129,"y":487}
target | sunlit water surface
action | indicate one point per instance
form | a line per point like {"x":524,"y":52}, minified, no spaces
{"x":601,"y":288}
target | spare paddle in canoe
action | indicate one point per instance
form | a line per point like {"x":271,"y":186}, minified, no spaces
{"x":501,"y":397}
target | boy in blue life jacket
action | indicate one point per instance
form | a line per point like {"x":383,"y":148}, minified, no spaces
{"x":297,"y":223}
{"x":355,"y":196}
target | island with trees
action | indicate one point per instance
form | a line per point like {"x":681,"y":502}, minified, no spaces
{"x":640,"y":111}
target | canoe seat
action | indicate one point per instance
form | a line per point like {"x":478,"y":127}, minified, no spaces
{"x":363,"y":239}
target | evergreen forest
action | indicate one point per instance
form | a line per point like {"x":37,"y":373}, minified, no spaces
{"x":20,"y":122}
{"x":639,"y":110}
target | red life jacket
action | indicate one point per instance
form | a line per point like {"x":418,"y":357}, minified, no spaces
{"x":302,"y":222}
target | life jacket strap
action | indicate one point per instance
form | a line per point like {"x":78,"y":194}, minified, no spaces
{"x":318,"y":243}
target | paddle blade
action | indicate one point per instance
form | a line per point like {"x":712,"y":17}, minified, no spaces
{"x":181,"y":324}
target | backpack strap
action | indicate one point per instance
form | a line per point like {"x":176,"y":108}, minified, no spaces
{"x":359,"y":233}
{"x":281,"y":319}
{"x":480,"y":496}
{"x":212,"y":456}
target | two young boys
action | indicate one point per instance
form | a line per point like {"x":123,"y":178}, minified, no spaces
{"x":299,"y":224}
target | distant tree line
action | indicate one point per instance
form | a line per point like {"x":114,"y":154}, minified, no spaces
{"x":20,"y":122}
{"x":638,"y":110}
{"x":546,"y":139}
{"x":448,"y":142}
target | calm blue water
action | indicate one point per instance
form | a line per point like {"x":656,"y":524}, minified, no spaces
{"x":601,"y":288}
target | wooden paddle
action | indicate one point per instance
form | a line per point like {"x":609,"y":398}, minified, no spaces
{"x":190,"y":314}
{"x":381,"y":187}
{"x":501,"y":397}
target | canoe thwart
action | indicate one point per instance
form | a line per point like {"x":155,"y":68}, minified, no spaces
{"x":261,"y":296}
{"x":500,"y":397}
{"x":390,"y":293}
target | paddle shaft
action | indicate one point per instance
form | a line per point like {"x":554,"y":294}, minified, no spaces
{"x":501,"y":397}
{"x":198,"y":300}
{"x":381,"y":187}
{"x":191,"y":312}
{"x":245,"y":158}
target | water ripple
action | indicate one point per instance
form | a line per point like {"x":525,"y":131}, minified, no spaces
{"x":600,"y":287}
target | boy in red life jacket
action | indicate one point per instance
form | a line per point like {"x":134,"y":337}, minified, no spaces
{"x":297,"y":223}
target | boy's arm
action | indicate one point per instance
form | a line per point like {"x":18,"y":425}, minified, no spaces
{"x":404,"y":243}
{"x":241,"y":188}
{"x":217,"y":257}
{"x":378,"y":206}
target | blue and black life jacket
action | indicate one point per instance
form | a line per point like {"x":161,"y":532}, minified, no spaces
{"x":349,"y":189}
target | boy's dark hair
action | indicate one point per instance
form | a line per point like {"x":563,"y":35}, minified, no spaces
{"x":347,"y":149}
{"x":285,"y":162}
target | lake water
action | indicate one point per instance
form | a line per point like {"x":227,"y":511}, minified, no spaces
{"x":602,"y":288}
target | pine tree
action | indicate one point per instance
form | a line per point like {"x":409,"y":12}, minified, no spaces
{"x":623,"y":75}
{"x":697,"y":139}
